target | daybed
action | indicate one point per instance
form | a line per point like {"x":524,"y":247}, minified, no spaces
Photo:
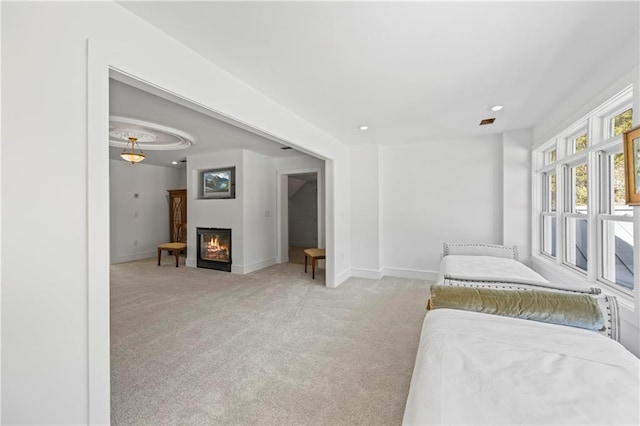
{"x":495,"y":266}
{"x":480,"y":368}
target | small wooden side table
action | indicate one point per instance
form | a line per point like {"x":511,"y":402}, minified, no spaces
{"x":314,"y":254}
{"x":175,"y":247}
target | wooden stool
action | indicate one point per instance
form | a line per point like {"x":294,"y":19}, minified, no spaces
{"x":175,"y":247}
{"x":314,"y":254}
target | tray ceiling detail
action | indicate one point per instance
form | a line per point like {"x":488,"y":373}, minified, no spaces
{"x":150,"y":136}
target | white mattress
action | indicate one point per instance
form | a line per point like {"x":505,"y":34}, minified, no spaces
{"x":474,"y":368}
{"x":495,"y":269}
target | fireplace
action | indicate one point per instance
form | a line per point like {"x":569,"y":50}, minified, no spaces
{"x":214,"y":248}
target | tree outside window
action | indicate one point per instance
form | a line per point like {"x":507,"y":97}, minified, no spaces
{"x":622,"y":122}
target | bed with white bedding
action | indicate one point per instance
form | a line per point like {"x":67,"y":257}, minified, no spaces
{"x":476,"y":368}
{"x":494,"y":266}
{"x":481,"y":368}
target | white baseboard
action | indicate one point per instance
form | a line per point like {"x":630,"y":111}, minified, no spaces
{"x":341,"y":277}
{"x":371,"y":274}
{"x":414,"y":274}
{"x":247,"y":269}
{"x":134,"y":256}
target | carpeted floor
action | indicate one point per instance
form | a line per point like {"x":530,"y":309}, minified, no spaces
{"x":197,"y":346}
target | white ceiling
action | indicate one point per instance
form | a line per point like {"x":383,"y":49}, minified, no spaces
{"x":411,"y":71}
{"x":208,"y":133}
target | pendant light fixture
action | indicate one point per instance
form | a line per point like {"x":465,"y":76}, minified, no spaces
{"x":129,"y":136}
{"x":131,"y":155}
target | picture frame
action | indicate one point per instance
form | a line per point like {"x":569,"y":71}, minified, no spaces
{"x":631,"y":146}
{"x":217,"y":184}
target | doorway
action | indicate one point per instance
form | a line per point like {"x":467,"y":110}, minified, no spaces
{"x":103,"y":59}
{"x":300,"y":213}
{"x":303,"y":214}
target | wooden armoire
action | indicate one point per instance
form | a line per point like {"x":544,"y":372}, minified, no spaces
{"x":177,"y":215}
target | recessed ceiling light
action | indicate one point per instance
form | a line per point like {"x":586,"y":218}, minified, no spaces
{"x":174,"y":162}
{"x":496,"y":108}
{"x":363,"y":127}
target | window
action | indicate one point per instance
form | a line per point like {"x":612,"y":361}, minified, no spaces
{"x":615,"y":224}
{"x":578,"y":144}
{"x":576,"y":222}
{"x":584,"y":224}
{"x":617,"y":256}
{"x":621,"y":123}
{"x":552,"y":156}
{"x":578,"y":190}
{"x":616,"y":194}
{"x":549,"y":214}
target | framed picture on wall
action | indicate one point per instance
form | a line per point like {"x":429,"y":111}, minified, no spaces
{"x":218,"y":183}
{"x":631,"y":142}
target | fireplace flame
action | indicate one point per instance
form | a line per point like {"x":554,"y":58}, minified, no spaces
{"x":214,"y":250}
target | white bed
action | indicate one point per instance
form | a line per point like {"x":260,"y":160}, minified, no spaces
{"x":474,"y":368}
{"x":495,"y":266}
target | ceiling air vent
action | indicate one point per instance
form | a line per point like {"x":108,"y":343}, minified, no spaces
{"x":487,"y":121}
{"x":286,"y":147}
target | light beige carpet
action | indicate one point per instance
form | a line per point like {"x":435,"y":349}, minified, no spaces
{"x":197,"y":346}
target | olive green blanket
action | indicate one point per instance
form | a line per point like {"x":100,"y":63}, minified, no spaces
{"x":575,"y":310}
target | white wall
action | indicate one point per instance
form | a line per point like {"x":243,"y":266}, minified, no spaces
{"x":55,"y":317}
{"x":139,"y":225}
{"x":44,"y":303}
{"x":251,"y":215}
{"x":299,"y":162}
{"x":259,"y":218}
{"x":366,"y":212}
{"x":409,"y":199}
{"x":183,"y":178}
{"x":436,"y":192}
{"x":516,"y":191}
{"x":216,"y":213}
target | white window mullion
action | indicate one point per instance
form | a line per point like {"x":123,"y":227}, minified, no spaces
{"x":593,"y":208}
{"x":560,"y":209}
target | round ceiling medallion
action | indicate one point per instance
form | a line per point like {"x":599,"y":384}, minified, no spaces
{"x":150,"y":136}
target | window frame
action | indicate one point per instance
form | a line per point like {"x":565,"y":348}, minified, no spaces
{"x":598,"y":125}
{"x":610,"y":148}
{"x":570,"y":140}
{"x":607,"y":128}
{"x":547,"y":211}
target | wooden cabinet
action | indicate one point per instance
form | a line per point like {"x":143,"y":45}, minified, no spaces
{"x":178,"y":215}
